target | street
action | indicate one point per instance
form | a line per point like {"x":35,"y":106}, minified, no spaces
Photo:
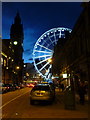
{"x":16,"y":104}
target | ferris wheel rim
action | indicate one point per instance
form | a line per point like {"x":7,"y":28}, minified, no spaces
{"x":41,"y":38}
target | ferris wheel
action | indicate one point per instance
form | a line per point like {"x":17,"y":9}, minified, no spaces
{"x":44,"y":48}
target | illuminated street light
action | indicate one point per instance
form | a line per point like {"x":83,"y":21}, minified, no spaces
{"x":24,"y":65}
{"x":49,"y":60}
{"x":15,"y":42}
{"x":17,"y":67}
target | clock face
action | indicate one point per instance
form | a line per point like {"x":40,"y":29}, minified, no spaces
{"x":15,"y":42}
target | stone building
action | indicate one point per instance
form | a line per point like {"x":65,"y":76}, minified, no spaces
{"x":73,"y":57}
{"x":6,"y":61}
{"x":12,"y":50}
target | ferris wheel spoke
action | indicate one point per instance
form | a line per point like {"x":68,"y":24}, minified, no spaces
{"x":50,"y":40}
{"x":44,"y":66}
{"x":49,"y":75}
{"x":43,"y":51}
{"x":43,"y":61}
{"x":42,"y":56}
{"x":60,"y":34}
{"x":45,"y":47}
{"x":55,"y":38}
{"x":48,"y":70}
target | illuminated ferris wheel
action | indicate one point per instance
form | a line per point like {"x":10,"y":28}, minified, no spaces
{"x":44,"y":48}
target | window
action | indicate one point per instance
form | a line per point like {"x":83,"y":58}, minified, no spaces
{"x":4,"y":62}
{"x":1,"y":61}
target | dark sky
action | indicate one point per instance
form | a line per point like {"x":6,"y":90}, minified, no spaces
{"x":37,"y":18}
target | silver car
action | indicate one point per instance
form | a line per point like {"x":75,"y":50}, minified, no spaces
{"x":42,"y":92}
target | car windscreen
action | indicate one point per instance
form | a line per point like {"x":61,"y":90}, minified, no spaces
{"x":41,"y":88}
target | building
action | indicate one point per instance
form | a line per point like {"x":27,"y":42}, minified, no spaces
{"x":12,"y":50}
{"x":7,"y":61}
{"x":74,"y":56}
{"x":17,"y":36}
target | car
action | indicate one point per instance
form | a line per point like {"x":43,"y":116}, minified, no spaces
{"x":42,"y":92}
{"x":16,"y":87}
{"x":9,"y":87}
{"x":30,"y":85}
{"x":5,"y":88}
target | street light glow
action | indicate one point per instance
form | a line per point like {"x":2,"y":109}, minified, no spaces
{"x":17,"y":67}
{"x":50,"y":60}
{"x":64,"y":75}
{"x":15,"y":42}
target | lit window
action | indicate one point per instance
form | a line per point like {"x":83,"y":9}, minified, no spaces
{"x":1,"y":61}
{"x":64,"y":75}
{"x":7,"y":68}
{"x":4,"y":62}
{"x":12,"y":60}
{"x":12,"y":50}
{"x":9,"y":46}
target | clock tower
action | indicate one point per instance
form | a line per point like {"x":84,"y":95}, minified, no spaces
{"x":16,"y":38}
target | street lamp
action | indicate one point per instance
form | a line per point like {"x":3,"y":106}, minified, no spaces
{"x":17,"y":67}
{"x":15,"y":42}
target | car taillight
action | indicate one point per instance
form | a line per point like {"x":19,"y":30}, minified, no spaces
{"x":32,"y":85}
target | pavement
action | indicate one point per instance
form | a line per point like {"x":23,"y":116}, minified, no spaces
{"x":76,"y":110}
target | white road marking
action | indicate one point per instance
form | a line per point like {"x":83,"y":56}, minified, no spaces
{"x":12,"y":100}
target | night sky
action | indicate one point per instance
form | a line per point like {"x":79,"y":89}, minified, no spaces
{"x":38,"y":18}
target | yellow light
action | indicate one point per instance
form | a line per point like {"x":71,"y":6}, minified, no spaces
{"x":4,"y":54}
{"x":64,"y":75}
{"x":12,"y":60}
{"x":15,"y":42}
{"x":17,"y":67}
{"x":27,"y":74}
{"x":46,"y":70}
{"x":50,"y":60}
{"x":9,"y":57}
{"x":7,"y":68}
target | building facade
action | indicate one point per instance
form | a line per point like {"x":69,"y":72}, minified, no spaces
{"x":12,"y":50}
{"x":17,"y":36}
{"x":74,"y":56}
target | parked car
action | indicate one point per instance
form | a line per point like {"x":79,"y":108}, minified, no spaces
{"x":5,"y":88}
{"x":16,"y":87}
{"x":9,"y":87}
{"x":42,"y":92}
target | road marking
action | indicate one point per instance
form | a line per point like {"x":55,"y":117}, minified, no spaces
{"x":12,"y":100}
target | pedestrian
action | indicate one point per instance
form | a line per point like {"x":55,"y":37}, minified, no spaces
{"x":81,"y":92}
